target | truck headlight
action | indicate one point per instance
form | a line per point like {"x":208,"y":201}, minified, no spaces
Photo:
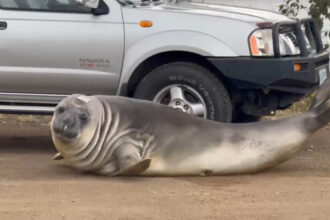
{"x":261,"y":43}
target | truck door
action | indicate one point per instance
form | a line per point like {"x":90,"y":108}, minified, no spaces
{"x":58,"y":47}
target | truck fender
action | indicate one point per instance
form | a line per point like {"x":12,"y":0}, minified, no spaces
{"x":184,"y":41}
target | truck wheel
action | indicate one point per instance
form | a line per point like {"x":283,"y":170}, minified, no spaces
{"x":189,"y":88}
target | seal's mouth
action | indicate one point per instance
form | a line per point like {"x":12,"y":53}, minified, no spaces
{"x":64,"y":138}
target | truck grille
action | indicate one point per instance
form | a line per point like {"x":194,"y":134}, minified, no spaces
{"x":293,"y":39}
{"x":300,"y":37}
{"x":289,"y":44}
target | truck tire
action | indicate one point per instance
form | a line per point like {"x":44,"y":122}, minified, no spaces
{"x":189,"y":88}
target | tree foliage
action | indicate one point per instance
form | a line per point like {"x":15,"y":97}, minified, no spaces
{"x":318,"y":9}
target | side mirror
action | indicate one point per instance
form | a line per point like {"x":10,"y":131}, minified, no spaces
{"x":88,"y":3}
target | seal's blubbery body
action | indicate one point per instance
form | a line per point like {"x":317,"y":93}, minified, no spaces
{"x":123,"y":135}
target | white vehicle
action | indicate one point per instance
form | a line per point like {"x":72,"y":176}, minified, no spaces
{"x":212,"y":61}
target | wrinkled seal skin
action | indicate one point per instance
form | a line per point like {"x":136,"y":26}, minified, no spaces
{"x":122,"y":133}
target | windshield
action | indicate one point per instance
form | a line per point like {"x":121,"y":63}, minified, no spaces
{"x":44,"y":5}
{"x":145,"y":2}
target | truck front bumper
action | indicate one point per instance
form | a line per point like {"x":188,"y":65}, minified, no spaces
{"x":278,"y":74}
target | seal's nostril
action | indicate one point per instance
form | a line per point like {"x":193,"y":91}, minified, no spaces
{"x":68,"y":122}
{"x":65,"y":131}
{"x":64,"y":128}
{"x":65,"y":125}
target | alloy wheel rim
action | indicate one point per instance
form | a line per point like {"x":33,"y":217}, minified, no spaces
{"x":182,"y":98}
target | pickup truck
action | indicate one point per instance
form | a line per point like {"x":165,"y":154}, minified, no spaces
{"x":212,"y":61}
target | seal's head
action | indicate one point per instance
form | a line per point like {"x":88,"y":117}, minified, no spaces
{"x":75,"y":121}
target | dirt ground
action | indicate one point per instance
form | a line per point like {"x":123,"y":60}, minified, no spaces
{"x":32,"y":186}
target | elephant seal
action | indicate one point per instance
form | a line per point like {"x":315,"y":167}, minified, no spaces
{"x":113,"y":135}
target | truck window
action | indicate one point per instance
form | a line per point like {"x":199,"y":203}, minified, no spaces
{"x":44,"y":5}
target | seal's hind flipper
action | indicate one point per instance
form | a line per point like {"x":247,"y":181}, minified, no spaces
{"x":136,"y":169}
{"x":322,"y":95}
{"x":319,"y":114}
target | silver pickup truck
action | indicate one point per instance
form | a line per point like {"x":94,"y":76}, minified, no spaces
{"x":212,"y":61}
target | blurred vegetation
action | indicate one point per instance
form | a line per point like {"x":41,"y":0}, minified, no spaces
{"x":297,"y":108}
{"x":318,"y":9}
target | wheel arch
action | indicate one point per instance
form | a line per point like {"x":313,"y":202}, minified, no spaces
{"x":164,"y":58}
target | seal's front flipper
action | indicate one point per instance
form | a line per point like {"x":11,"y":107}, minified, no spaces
{"x":136,"y":169}
{"x":129,"y":160}
{"x":58,"y":156}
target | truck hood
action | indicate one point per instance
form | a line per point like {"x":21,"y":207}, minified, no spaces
{"x":231,"y":12}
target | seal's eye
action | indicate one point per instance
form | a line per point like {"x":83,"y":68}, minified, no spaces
{"x":83,"y":117}
{"x":60,"y":110}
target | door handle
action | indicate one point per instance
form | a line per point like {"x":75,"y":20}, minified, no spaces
{"x":3,"y":25}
